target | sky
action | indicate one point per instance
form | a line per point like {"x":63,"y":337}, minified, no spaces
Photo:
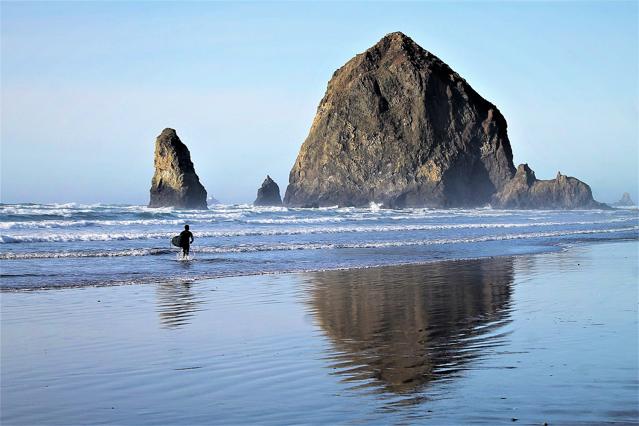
{"x":87,"y":86}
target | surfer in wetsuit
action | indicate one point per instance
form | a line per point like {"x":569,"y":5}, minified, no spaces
{"x":186,"y":239}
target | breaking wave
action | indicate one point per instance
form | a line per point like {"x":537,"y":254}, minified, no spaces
{"x":309,"y":246}
{"x":50,"y":245}
{"x":74,"y":237}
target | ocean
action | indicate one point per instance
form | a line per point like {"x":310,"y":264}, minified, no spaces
{"x":69,"y":245}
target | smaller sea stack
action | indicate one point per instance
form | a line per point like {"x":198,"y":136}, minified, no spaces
{"x":525,"y":191}
{"x":625,"y":201}
{"x":268,"y":194}
{"x":175,"y":183}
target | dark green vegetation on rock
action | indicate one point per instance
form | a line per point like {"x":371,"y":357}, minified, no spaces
{"x":268,"y":194}
{"x":398,"y":126}
{"x":175,"y":183}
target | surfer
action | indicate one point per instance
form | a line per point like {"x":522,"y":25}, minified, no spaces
{"x":186,"y":239}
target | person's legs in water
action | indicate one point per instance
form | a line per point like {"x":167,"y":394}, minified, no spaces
{"x":185,"y":250}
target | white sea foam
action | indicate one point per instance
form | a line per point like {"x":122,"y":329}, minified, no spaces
{"x":49,"y":224}
{"x":120,"y":236}
{"x":244,"y":248}
{"x":42,"y":216}
{"x":408,"y":243}
{"x":86,"y":253}
{"x":133,"y":241}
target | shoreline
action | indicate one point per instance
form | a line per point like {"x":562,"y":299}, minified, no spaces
{"x":549,"y":248}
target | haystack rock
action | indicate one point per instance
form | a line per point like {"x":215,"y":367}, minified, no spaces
{"x":625,"y":201}
{"x":268,"y":194}
{"x":525,"y":191}
{"x":175,"y":183}
{"x":397,"y":126}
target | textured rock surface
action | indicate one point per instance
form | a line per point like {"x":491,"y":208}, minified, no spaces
{"x":398,"y":126}
{"x":625,"y":201}
{"x":268,"y":194}
{"x":524,"y":191}
{"x":175,"y":183}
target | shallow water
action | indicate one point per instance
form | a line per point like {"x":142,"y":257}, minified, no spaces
{"x":64,"y":245}
{"x":540,"y":338}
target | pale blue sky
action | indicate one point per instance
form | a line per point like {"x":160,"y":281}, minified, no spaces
{"x":86,"y":87}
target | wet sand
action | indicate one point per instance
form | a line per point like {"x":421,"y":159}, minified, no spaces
{"x":539,"y":338}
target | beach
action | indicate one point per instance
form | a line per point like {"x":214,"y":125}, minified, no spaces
{"x":532,"y":338}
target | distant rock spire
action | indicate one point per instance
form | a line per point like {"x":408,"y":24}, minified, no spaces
{"x":625,"y":201}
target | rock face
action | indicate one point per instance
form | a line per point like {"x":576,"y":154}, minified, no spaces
{"x":524,"y":191}
{"x":625,"y":201}
{"x":268,"y":194}
{"x":175,"y":183}
{"x":398,"y":126}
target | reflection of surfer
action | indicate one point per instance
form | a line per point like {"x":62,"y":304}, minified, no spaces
{"x":186,"y":239}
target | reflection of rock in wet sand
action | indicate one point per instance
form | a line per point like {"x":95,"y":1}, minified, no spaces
{"x":405,"y":326}
{"x":176,"y":304}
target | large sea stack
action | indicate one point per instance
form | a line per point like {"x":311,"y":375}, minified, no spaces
{"x":175,"y":183}
{"x":268,"y":194}
{"x":398,"y":126}
{"x":525,"y":191}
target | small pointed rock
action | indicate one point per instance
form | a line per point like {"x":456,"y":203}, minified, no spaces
{"x":175,"y":183}
{"x":268,"y":194}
